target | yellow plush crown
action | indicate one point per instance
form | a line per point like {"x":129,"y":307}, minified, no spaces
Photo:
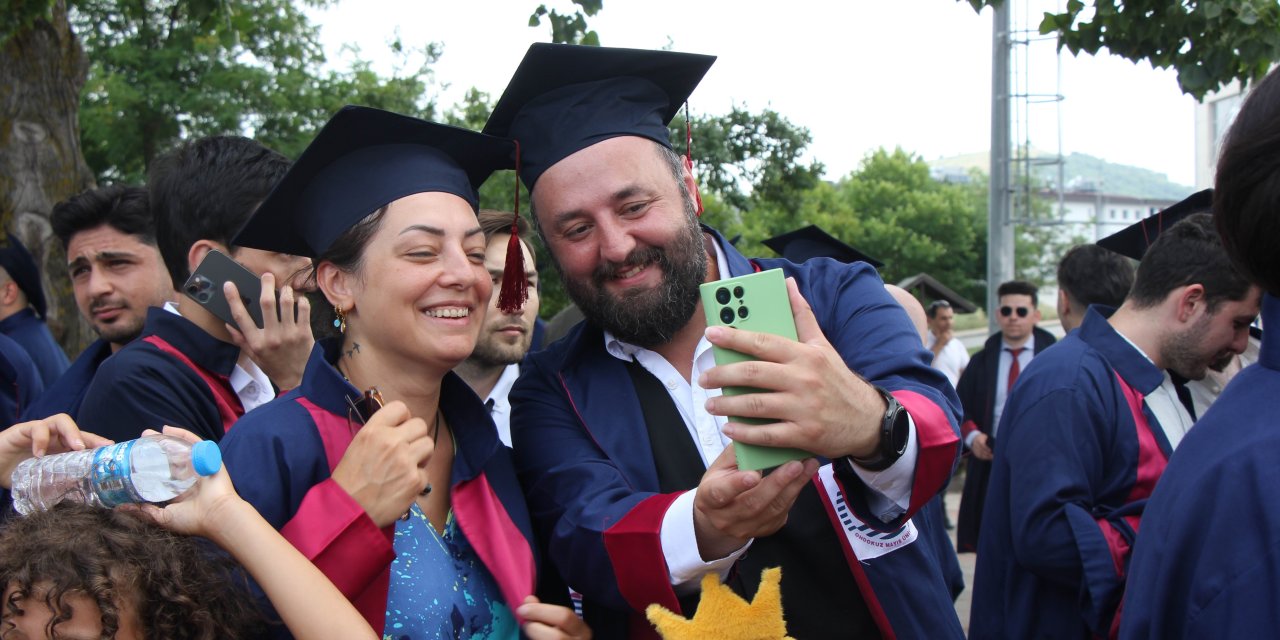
{"x":722,"y":615}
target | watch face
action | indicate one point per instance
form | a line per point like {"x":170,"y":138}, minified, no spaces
{"x":900,"y":431}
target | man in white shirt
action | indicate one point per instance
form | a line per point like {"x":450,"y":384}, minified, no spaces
{"x":505,"y":337}
{"x":949,"y":355}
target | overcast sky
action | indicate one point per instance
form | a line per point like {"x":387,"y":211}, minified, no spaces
{"x":859,"y":74}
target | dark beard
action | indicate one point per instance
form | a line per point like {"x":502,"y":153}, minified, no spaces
{"x":648,"y":318}
{"x":490,"y":354}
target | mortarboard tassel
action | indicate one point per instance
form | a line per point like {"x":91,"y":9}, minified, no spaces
{"x":515,"y":287}
{"x":688,"y":155}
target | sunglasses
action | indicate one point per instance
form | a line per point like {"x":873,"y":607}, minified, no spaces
{"x":359,"y":411}
{"x":1008,"y":311}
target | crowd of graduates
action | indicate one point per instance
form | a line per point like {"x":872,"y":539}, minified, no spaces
{"x":403,"y":459}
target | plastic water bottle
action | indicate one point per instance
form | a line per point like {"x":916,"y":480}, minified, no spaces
{"x":151,"y":469}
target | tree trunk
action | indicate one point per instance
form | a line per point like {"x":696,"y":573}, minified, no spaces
{"x":42,"y":70}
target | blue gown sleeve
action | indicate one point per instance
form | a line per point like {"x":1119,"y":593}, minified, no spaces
{"x":1054,"y":451}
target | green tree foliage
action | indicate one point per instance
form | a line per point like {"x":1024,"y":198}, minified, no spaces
{"x":747,"y":158}
{"x":1208,"y":42}
{"x":163,"y":70}
{"x":570,"y":28}
{"x":891,"y":209}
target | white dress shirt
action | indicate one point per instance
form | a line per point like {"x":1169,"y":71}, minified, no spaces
{"x":500,"y":405}
{"x":951,"y":360}
{"x":1169,"y":411}
{"x":1002,"y":375}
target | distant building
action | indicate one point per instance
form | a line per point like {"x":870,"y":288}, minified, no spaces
{"x":1088,"y":214}
{"x":1214,"y":116}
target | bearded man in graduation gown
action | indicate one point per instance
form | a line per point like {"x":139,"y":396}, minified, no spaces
{"x":619,"y":428}
{"x":1086,"y":434}
{"x":1205,"y":563}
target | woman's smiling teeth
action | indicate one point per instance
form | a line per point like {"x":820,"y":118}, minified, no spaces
{"x":449,"y":312}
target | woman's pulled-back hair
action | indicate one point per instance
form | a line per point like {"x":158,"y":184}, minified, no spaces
{"x":347,"y":254}
{"x":182,"y":588}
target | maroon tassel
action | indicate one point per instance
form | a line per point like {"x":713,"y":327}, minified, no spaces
{"x":515,"y":286}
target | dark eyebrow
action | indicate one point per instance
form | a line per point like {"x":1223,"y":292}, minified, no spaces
{"x":437,"y":231}
{"x":115,"y":255}
{"x":625,"y":193}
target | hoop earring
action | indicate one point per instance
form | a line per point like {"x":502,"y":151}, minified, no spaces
{"x":340,"y":322}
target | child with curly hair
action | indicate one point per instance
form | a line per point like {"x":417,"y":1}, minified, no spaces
{"x":79,"y":572}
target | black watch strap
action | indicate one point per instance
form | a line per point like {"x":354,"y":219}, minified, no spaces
{"x":895,"y":431}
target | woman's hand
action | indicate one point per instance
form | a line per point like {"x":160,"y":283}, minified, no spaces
{"x":551,"y":621}
{"x":55,"y":434}
{"x":385,"y":468}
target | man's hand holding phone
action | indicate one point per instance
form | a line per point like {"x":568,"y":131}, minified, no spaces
{"x":818,"y":403}
{"x":283,"y":343}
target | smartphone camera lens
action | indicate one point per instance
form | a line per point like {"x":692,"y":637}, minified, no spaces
{"x":722,"y":295}
{"x":200,"y":288}
{"x":726,"y":314}
{"x":742,"y":312}
{"x":737,"y":292}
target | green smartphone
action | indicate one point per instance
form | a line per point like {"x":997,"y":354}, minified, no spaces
{"x":754,"y":302}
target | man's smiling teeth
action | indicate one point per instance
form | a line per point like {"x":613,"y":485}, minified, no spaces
{"x":623,"y":275}
{"x":449,"y":312}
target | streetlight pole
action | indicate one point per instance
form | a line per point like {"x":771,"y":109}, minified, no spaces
{"x":999,"y":223}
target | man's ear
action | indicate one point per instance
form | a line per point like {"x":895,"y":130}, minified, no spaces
{"x":1189,"y":301}
{"x":9,"y":292}
{"x":336,"y":285}
{"x":199,"y":249}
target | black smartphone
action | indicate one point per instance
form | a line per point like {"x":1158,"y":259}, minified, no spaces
{"x":205,"y":287}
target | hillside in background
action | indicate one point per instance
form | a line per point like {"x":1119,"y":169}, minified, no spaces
{"x":1082,"y":170}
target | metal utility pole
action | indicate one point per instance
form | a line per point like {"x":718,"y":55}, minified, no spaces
{"x":999,"y":223}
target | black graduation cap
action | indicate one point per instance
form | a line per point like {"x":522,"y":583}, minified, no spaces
{"x":17,"y":261}
{"x":361,"y":160}
{"x":813,"y":242}
{"x":564,"y":98}
{"x":1134,"y":240}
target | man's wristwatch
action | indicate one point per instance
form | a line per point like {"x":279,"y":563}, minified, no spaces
{"x":895,"y":430}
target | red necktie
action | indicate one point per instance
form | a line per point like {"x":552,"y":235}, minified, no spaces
{"x":1015,"y":367}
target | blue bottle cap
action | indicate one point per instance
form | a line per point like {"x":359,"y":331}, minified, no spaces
{"x":206,"y":458}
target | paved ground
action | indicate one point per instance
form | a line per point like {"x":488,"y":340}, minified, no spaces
{"x":952,"y":501}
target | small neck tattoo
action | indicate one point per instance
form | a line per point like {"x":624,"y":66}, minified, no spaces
{"x":355,"y":348}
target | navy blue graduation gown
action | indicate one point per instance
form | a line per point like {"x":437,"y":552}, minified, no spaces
{"x":977,"y":391}
{"x":1079,"y":452}
{"x":173,"y":374}
{"x":281,"y":455}
{"x":28,"y":330}
{"x":67,"y":392}
{"x":583,"y":453}
{"x":1207,"y":559}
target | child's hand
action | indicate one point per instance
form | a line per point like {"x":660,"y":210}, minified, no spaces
{"x":203,"y":507}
